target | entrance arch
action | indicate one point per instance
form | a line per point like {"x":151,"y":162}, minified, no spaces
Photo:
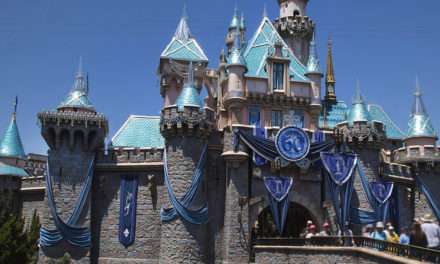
{"x":296,"y":222}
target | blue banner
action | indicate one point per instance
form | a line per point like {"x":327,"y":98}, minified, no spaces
{"x":127,"y":210}
{"x":278,"y":189}
{"x":382,"y":191}
{"x":340,"y":166}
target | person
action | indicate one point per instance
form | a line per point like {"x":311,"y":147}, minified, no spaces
{"x":432,"y":231}
{"x":368,"y":229}
{"x":418,"y":237}
{"x":311,"y":231}
{"x":325,"y":230}
{"x":404,"y":238}
{"x":306,"y":229}
{"x":379,"y":233}
{"x":392,"y":235}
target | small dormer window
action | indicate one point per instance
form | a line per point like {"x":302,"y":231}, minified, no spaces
{"x":278,"y":77}
{"x":295,"y":13}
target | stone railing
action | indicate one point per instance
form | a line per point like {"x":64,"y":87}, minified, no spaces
{"x":413,"y":154}
{"x":279,"y":99}
{"x":391,"y":249}
{"x":130,"y":155}
{"x":297,"y":25}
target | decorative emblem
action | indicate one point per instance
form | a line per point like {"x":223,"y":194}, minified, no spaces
{"x":292,"y":143}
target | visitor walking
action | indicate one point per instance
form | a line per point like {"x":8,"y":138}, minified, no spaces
{"x":379,"y":233}
{"x":432,"y":231}
{"x":418,"y":237}
{"x":368,"y":229}
{"x":404,"y":237}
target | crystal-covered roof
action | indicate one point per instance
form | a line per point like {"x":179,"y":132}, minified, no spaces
{"x":78,"y":95}
{"x":262,"y":44}
{"x":391,"y":129}
{"x":420,"y":123}
{"x":139,"y":132}
{"x":333,"y":114}
{"x":9,"y":170}
{"x":358,"y":111}
{"x":313,"y":62}
{"x":189,"y":96}
{"x":183,"y":46}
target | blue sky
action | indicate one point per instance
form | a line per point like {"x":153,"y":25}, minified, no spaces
{"x":384,"y":44}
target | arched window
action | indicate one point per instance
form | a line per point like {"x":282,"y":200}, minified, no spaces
{"x":296,"y":13}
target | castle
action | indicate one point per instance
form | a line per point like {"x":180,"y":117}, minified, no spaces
{"x":188,"y":186}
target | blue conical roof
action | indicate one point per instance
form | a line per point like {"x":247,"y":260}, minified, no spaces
{"x":420,"y":123}
{"x":189,"y":96}
{"x":78,"y":96}
{"x":236,"y":57}
{"x":359,"y":111}
{"x":11,"y":145}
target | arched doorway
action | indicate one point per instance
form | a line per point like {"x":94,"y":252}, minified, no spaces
{"x":296,"y":222}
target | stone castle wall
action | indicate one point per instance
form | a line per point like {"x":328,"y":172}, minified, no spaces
{"x":105,"y":218}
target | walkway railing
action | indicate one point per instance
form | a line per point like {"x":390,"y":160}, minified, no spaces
{"x":411,"y":252}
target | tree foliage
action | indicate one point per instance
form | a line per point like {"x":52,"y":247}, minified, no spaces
{"x":18,"y":244}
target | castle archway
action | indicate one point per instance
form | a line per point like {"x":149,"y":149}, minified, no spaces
{"x":296,"y":222}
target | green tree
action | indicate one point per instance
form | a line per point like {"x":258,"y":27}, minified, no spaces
{"x":33,"y":235}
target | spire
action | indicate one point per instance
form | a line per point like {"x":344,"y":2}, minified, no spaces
{"x":265,"y":11}
{"x":189,"y":96}
{"x":313,"y":62}
{"x":242,"y":22}
{"x":11,"y":145}
{"x":420,"y":123}
{"x":235,"y":22}
{"x":359,"y":111}
{"x":182,"y":32}
{"x":330,"y":75}
{"x":78,"y":95}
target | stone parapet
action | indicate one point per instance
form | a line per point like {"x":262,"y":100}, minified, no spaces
{"x":279,"y":99}
{"x":129,"y":155}
{"x":417,"y":154}
{"x":361,"y":133}
{"x":190,"y":121}
{"x":297,"y":26}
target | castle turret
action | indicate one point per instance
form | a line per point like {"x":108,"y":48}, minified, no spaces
{"x":75,"y":132}
{"x":186,"y":125}
{"x":236,"y":24}
{"x":234,"y":99}
{"x":295,"y":27}
{"x":315,"y":76}
{"x":420,"y":151}
{"x":366,"y":138}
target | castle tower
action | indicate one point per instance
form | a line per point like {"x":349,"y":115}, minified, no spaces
{"x":422,"y":154}
{"x":74,"y":134}
{"x":186,"y":125}
{"x":234,"y":100}
{"x":365,"y":137}
{"x":237,"y":23}
{"x":315,"y":76}
{"x":295,"y":27}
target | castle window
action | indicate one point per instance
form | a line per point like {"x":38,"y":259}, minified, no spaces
{"x":278,"y":76}
{"x":295,"y":13}
{"x":277,"y":118}
{"x":254,"y":116}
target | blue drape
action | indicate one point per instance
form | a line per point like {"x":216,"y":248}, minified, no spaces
{"x":266,"y":147}
{"x":339,"y":167}
{"x":259,"y":132}
{"x":70,"y":231}
{"x":278,"y":189}
{"x":425,"y":188}
{"x":182,"y":207}
{"x":378,"y":198}
{"x":127,"y":209}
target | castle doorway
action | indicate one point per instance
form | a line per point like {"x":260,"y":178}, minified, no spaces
{"x":296,"y":222}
